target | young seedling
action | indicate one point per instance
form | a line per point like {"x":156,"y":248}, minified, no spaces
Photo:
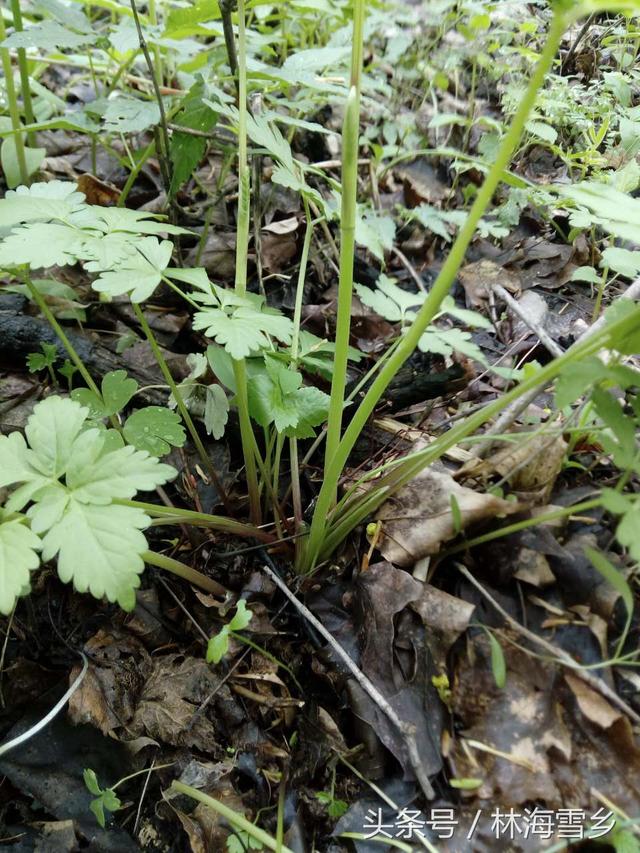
{"x":218,"y":645}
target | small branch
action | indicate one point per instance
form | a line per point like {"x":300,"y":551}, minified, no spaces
{"x":559,"y":654}
{"x":529,"y":322}
{"x":226,"y":11}
{"x":406,"y":731}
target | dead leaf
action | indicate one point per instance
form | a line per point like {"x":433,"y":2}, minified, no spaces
{"x":282,"y":226}
{"x":479,"y":278}
{"x":276,"y":250}
{"x":593,"y":705}
{"x":419,"y":518}
{"x":97,"y":191}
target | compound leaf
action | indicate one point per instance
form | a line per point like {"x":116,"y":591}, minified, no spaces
{"x":140,"y":273}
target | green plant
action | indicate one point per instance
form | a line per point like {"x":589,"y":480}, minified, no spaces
{"x":218,"y":645}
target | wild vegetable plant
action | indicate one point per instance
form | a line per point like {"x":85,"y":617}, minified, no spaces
{"x":74,"y":473}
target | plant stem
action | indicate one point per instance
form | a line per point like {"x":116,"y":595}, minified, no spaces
{"x":183,"y":571}
{"x":14,"y":112}
{"x":57,"y":328}
{"x":236,"y":819}
{"x":350,"y":139}
{"x":249,"y":445}
{"x":184,"y":412}
{"x":440,"y":289}
{"x":174,"y":515}
{"x":25,"y":85}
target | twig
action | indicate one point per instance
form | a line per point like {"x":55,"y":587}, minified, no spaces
{"x":581,"y":34}
{"x":406,"y":263}
{"x":536,"y":328}
{"x":163,"y":135}
{"x":559,"y":654}
{"x":34,"y":730}
{"x":406,"y":730}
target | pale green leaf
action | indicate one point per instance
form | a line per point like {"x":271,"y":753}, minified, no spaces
{"x":140,"y":274}
{"x":51,"y":432}
{"x":218,"y":646}
{"x":18,"y":558}
{"x":41,"y":245}
{"x":48,"y":36}
{"x":216,"y":411}
{"x":40,"y":203}
{"x":126,"y":114}
{"x":155,"y":429}
{"x":99,"y":549}
{"x":241,"y":617}
{"x":245,"y":331}
{"x":11,"y":165}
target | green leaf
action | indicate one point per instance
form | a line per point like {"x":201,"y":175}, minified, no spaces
{"x":375,"y":232}
{"x":41,"y":245}
{"x":40,"y":203}
{"x":498,"y":664}
{"x":390,"y":301}
{"x":216,"y":411}
{"x":277,"y":396}
{"x":112,"y":536}
{"x":241,"y":617}
{"x":125,"y":114}
{"x":218,"y":646}
{"x":187,"y":150}
{"x":613,"y":577}
{"x":9,"y":156}
{"x":18,"y":558}
{"x":628,"y":531}
{"x":613,"y":210}
{"x":48,"y":36}
{"x":624,"y":841}
{"x":155,"y":429}
{"x":623,"y":428}
{"x":117,"y":389}
{"x":105,"y":799}
{"x":140,"y":274}
{"x":42,"y":360}
{"x":245,"y":330}
{"x":576,"y":378}
{"x":77,"y":515}
{"x":622,"y":261}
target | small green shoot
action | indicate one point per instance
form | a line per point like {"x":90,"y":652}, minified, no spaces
{"x":218,"y":646}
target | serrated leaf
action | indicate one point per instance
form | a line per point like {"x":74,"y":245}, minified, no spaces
{"x":117,"y":389}
{"x":576,"y":378}
{"x":40,"y":203}
{"x":140,"y":274}
{"x":41,"y":245}
{"x":245,"y":331}
{"x":155,"y":429}
{"x":41,"y":360}
{"x":99,"y":549}
{"x":187,"y":150}
{"x":48,"y":36}
{"x":241,"y":617}
{"x":96,"y":476}
{"x":216,"y":411}
{"x":51,"y":432}
{"x":18,"y":558}
{"x":125,"y":114}
{"x":277,"y":396}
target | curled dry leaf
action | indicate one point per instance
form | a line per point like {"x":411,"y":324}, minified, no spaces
{"x":593,"y":705}
{"x":479,"y":278}
{"x":421,"y":516}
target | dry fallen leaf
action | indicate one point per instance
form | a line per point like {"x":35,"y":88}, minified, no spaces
{"x":419,"y":518}
{"x":479,"y":278}
{"x":593,"y":705}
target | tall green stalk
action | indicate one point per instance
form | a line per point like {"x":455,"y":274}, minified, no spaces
{"x":336,"y":461}
{"x":249,"y":445}
{"x":25,"y":84}
{"x":14,"y":112}
{"x":350,"y":139}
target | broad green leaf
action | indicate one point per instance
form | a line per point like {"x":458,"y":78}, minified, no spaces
{"x":97,"y":477}
{"x":613,"y":210}
{"x":9,"y":157}
{"x":576,"y":378}
{"x":41,"y":245}
{"x":105,"y":798}
{"x":125,"y":114}
{"x":375,"y":232}
{"x":241,"y":617}
{"x":155,"y":429}
{"x":216,"y":411}
{"x":622,"y":261}
{"x":51,"y":432}
{"x":623,"y":427}
{"x":99,"y":549}
{"x":48,"y":36}
{"x":614,"y":501}
{"x":187,"y":150}
{"x":117,"y":389}
{"x":140,"y":274}
{"x":277,"y":396}
{"x":245,"y":331}
{"x":41,"y":360}
{"x":18,"y":558}
{"x":40,"y":203}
